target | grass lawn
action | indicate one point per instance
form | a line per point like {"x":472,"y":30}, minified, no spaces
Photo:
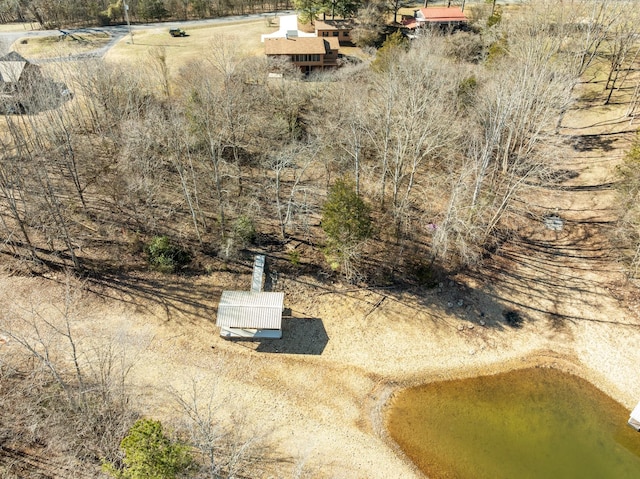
{"x":60,"y":45}
{"x":18,"y":27}
{"x":180,"y":51}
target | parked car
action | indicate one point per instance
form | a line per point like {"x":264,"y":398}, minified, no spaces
{"x":177,"y":32}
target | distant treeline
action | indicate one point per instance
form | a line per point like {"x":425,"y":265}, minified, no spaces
{"x":91,"y":12}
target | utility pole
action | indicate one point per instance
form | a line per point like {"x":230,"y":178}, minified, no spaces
{"x":126,"y":16}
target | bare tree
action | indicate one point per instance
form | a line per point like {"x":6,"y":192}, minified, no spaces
{"x":632,"y":109}
{"x":349,"y":128}
{"x":56,"y":126}
{"x":110,"y":94}
{"x":160,"y":69}
{"x":32,"y":149}
{"x":233,"y":107}
{"x":414,"y":123}
{"x":226,"y":446}
{"x":511,"y":147}
{"x":206,"y":98}
{"x":628,"y":189}
{"x":289,"y":166}
{"x":597,"y":17}
{"x":183,"y":160}
{"x":622,"y":49}
{"x":48,"y":336}
{"x":12,"y":176}
{"x":142,"y":177}
{"x":91,"y":371}
{"x":285,"y":100}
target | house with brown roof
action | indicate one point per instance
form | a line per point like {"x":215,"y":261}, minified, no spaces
{"x":340,"y":29}
{"x":309,"y":54}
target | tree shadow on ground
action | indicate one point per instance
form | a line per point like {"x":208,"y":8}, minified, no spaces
{"x":299,"y":336}
{"x":592,"y":142}
{"x":454,"y":304}
{"x":169,"y":297}
{"x":541,"y":275}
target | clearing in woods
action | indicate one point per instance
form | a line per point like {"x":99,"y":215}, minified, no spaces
{"x":319,"y":393}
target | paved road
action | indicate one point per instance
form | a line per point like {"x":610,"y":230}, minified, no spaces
{"x":117,"y":32}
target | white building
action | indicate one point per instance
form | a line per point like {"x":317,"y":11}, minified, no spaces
{"x":634,"y":419}
{"x":251,"y":314}
{"x":288,"y":29}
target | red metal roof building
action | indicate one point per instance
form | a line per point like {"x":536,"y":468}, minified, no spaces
{"x":440,"y":16}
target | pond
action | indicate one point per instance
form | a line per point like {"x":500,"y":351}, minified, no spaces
{"x":532,"y":423}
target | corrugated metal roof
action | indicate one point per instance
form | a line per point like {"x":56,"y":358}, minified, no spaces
{"x":251,"y":310}
{"x":443,"y":14}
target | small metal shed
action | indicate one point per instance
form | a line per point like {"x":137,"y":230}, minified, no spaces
{"x":250,"y":314}
{"x":634,"y":419}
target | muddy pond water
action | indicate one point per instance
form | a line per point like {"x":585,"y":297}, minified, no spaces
{"x":534,"y":423}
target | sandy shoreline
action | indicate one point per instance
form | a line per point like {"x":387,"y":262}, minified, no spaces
{"x":328,"y":410}
{"x":320,"y":411}
{"x":542,"y":359}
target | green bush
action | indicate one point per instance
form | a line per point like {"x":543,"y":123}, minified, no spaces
{"x":346,"y":218}
{"x":497,"y":49}
{"x":150,"y":454}
{"x":165,"y":256}
{"x":387,"y":55}
{"x":294,"y":257}
{"x":495,"y":18}
{"x":244,"y":230}
{"x":466,"y":92}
